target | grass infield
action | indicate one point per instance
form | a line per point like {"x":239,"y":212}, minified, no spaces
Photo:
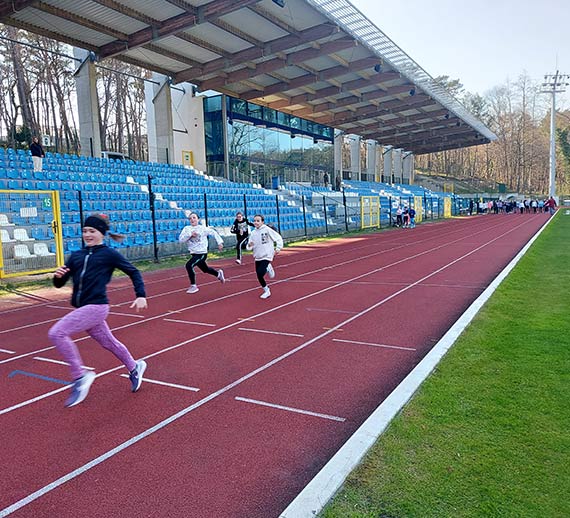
{"x":488,"y":434}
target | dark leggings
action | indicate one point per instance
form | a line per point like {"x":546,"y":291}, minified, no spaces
{"x":261,"y":270}
{"x":241,"y":242}
{"x":198,"y":260}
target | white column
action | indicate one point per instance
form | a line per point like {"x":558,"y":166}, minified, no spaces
{"x":355,"y":157}
{"x":387,"y":160}
{"x":371,"y":162}
{"x":338,"y":140}
{"x":87,"y":104}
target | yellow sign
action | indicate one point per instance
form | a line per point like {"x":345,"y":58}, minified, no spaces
{"x":188,"y":158}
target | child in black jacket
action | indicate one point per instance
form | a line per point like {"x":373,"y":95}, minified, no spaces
{"x":240,"y":228}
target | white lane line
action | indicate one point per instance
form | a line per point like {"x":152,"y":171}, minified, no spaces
{"x":125,"y":314}
{"x":58,"y":307}
{"x":269,"y":332}
{"x":374,"y":345}
{"x":162,"y":424}
{"x":7,"y":351}
{"x":173,"y":385}
{"x":59,"y":362}
{"x":291,"y":409}
{"x":332,"y":310}
{"x":189,"y":322}
{"x":317,"y":493}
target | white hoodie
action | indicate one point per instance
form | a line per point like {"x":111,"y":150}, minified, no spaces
{"x":262,"y":241}
{"x":196,"y":238}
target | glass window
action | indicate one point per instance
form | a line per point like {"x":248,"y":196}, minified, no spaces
{"x":238,"y":106}
{"x":254,"y":111}
{"x":269,"y":115}
{"x":213,"y":104}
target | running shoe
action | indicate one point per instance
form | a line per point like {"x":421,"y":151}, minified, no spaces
{"x":193,"y":289}
{"x":80,"y":389}
{"x":221,"y":277}
{"x":266,"y":293}
{"x":270,"y":271}
{"x":238,"y":261}
{"x":136,"y":375}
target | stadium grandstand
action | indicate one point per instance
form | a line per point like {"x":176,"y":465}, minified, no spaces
{"x":250,"y":105}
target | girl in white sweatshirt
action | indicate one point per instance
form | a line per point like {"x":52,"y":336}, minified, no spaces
{"x":196,"y":238}
{"x":265,"y":243}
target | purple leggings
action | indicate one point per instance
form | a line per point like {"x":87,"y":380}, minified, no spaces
{"x":90,"y":318}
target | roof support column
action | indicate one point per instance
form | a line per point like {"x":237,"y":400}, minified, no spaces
{"x":87,"y":104}
{"x":338,"y":141}
{"x":387,"y":160}
{"x":408,"y":167}
{"x":355,"y":168}
{"x":371,"y":160}
{"x":158,"y":98}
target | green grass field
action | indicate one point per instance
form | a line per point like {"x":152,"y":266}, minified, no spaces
{"x":488,"y":434}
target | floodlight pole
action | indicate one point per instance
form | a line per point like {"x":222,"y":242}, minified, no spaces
{"x":554,"y":83}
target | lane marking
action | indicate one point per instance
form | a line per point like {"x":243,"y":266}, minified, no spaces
{"x":188,"y":322}
{"x":50,"y":360}
{"x":291,"y":409}
{"x":173,"y":385}
{"x":332,"y":310}
{"x":374,"y":345}
{"x":7,"y":351}
{"x":39,"y":376}
{"x":269,"y":332}
{"x":125,"y":314}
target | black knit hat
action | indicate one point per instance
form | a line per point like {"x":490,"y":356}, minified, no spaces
{"x":97,"y":222}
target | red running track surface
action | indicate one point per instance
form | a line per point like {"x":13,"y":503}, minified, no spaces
{"x":246,"y":399}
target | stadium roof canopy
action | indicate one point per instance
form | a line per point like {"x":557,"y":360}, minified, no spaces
{"x":322,"y":60}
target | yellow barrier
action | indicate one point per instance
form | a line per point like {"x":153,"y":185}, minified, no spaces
{"x":369,"y":211}
{"x":30,"y":232}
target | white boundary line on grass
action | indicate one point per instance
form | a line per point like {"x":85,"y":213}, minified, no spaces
{"x":325,"y":484}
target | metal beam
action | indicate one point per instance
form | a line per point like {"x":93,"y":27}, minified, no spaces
{"x":271,"y":47}
{"x":127,"y":11}
{"x":173,"y":25}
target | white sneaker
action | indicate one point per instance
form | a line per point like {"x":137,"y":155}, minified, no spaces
{"x":238,"y":261}
{"x":193,"y":289}
{"x":221,"y":277}
{"x":270,"y":271}
{"x":266,"y":293}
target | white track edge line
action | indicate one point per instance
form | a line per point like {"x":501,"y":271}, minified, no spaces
{"x":374,"y":345}
{"x":290,"y":409}
{"x":166,"y":384}
{"x":325,"y":484}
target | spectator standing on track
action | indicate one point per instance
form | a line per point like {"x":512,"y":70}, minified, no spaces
{"x":240,"y":228}
{"x":399,"y":216}
{"x":406,"y":218}
{"x":195,"y":236}
{"x":550,"y":205}
{"x":326,"y":179}
{"x":412,"y":215}
{"x":91,"y":269}
{"x":265,"y":243}
{"x":38,"y":154}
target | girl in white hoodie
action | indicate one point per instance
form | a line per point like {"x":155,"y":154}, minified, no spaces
{"x":196,"y":238}
{"x":265,"y":243}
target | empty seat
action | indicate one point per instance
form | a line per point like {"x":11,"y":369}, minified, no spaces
{"x":5,"y":237}
{"x":22,"y":252}
{"x":41,"y":249}
{"x":21,"y":234}
{"x":4,"y":222}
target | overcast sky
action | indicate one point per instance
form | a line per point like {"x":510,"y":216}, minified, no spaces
{"x":482,"y":43}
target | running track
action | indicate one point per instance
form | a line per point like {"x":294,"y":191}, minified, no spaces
{"x":245,"y":399}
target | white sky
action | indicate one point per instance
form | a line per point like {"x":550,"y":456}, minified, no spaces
{"x":480,"y":42}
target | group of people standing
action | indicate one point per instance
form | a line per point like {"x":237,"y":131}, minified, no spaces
{"x":91,"y":269}
{"x":524,"y":206}
{"x":405,"y":217}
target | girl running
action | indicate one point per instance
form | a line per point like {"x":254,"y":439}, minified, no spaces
{"x":265,"y":243}
{"x":91,"y":269}
{"x":240,"y":228}
{"x":196,"y":238}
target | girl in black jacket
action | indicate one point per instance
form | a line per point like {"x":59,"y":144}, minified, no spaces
{"x":91,"y":269}
{"x":240,"y":228}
